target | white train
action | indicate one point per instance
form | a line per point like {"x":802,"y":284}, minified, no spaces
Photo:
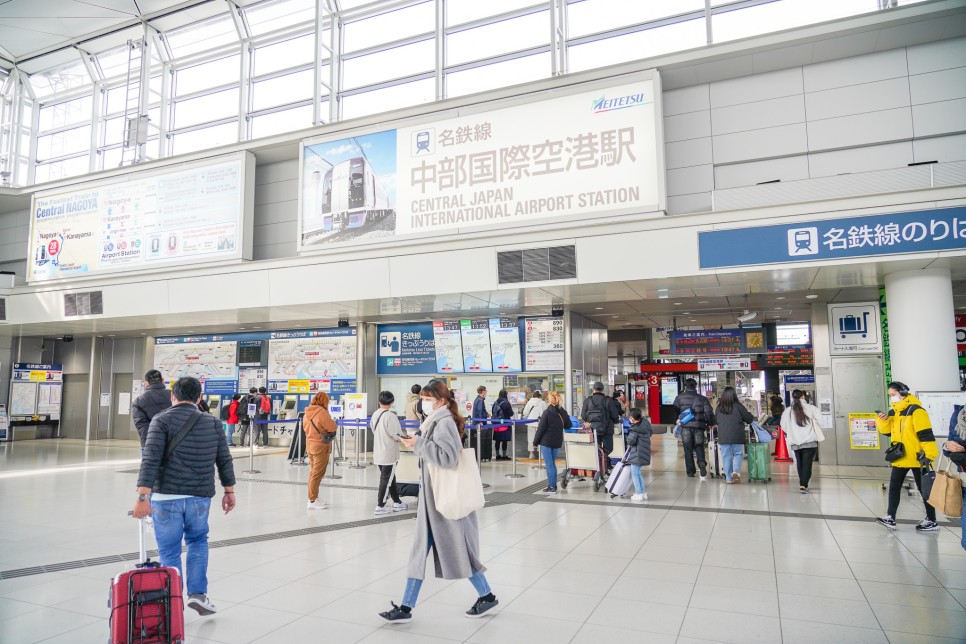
{"x":351,"y":196}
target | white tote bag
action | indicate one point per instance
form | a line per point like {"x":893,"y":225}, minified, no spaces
{"x":459,"y":491}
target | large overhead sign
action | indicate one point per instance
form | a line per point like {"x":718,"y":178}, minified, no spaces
{"x":568,"y":156}
{"x":193,"y":213}
{"x":888,"y":234}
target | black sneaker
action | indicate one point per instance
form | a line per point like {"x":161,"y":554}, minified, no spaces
{"x":480,"y":607}
{"x":691,"y":475}
{"x":552,"y":490}
{"x":546,"y":490}
{"x":396,"y":614}
{"x":888,"y":522}
{"x":704,"y":472}
{"x":927,"y":525}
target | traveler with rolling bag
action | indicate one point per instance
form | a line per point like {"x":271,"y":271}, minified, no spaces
{"x":145,"y":603}
{"x":638,"y":453}
{"x":731,"y":417}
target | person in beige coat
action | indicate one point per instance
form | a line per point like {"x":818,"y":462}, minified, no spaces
{"x":320,"y":430}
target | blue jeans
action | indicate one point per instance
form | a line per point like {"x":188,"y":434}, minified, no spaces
{"x":413,"y":585}
{"x":229,"y":432}
{"x":549,"y":455}
{"x":638,"y":479}
{"x":185,"y":519}
{"x":732,"y":455}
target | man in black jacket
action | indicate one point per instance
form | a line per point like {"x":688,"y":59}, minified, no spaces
{"x":601,"y":412}
{"x":155,"y":399}
{"x":175,"y":485}
{"x":694,"y":434}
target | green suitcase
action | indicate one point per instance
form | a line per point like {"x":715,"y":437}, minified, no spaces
{"x":759,"y":462}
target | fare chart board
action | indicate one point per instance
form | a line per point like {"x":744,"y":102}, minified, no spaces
{"x":449,"y":346}
{"x":188,"y":214}
{"x":476,"y":346}
{"x":544,"y":343}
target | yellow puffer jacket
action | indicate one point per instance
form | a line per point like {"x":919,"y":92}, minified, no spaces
{"x":912,"y":428}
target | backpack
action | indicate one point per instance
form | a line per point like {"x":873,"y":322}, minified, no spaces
{"x":686,"y":416}
{"x":266,"y":406}
{"x":225,"y":411}
{"x":243,"y":408}
{"x":497,"y":412}
{"x":595,"y":414}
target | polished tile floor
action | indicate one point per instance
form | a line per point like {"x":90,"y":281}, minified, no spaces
{"x":698,"y":562}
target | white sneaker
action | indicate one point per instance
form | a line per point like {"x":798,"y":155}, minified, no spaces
{"x":382,"y":511}
{"x":202,"y":604}
{"x":316,"y":505}
{"x":400,"y":507}
{"x":644,"y":497}
{"x":637,"y":497}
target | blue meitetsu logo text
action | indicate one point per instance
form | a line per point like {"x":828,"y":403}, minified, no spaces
{"x":604,"y":104}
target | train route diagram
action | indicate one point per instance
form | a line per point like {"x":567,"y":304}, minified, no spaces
{"x":203,"y":360}
{"x":312,"y":358}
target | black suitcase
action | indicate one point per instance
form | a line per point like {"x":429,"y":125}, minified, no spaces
{"x":486,"y":453}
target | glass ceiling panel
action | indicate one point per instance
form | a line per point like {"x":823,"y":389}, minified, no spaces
{"x":115,"y":61}
{"x":390,"y":26}
{"x":202,"y":36}
{"x":591,"y":16}
{"x":278,"y":14}
{"x":499,"y":38}
{"x":786,"y":14}
{"x":60,"y":79}
{"x":460,"y":11}
{"x":285,"y":54}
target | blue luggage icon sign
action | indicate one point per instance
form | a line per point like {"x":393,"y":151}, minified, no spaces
{"x":851,"y":325}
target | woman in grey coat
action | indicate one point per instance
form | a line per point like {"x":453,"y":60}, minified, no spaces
{"x":731,"y":417}
{"x":455,"y":544}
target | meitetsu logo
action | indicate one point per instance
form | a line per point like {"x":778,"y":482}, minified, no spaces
{"x":604,"y":104}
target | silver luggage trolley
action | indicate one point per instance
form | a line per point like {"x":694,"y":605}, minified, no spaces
{"x":582,"y":452}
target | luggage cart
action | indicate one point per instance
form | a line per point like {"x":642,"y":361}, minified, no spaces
{"x":582,"y":452}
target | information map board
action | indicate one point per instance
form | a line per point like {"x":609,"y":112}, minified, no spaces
{"x":35,"y":391}
{"x":193,"y":212}
{"x":939,"y":405}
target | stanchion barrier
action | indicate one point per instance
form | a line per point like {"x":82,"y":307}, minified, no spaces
{"x":781,"y":449}
{"x":330,"y":471}
{"x":481,"y":422}
{"x":360,"y":426}
{"x":251,"y":450}
{"x":340,"y":443}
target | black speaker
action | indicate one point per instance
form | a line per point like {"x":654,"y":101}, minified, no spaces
{"x":343,"y":322}
{"x":68,"y":338}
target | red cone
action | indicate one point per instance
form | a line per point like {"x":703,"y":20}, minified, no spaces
{"x":781,"y":449}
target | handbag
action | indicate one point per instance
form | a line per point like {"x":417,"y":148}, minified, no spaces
{"x":762,"y":435}
{"x":894,"y":452}
{"x":458,"y":491}
{"x":947,"y":492}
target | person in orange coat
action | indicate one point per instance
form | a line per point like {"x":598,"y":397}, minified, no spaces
{"x":320,"y":431}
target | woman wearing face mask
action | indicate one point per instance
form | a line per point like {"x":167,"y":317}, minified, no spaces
{"x":907,"y":423}
{"x":455,"y":544}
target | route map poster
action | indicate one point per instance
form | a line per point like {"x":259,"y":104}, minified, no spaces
{"x":190,"y":213}
{"x":314,"y":359}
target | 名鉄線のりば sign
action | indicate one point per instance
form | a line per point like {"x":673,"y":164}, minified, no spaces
{"x":587,"y":153}
{"x":854,"y":328}
{"x":886,"y":234}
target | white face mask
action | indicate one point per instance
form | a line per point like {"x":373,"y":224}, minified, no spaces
{"x":428,"y":406}
{"x":895,"y":398}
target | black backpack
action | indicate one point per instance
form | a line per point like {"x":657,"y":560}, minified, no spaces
{"x":595,"y":414}
{"x":497,"y":412}
{"x":243,"y":408}
{"x":225,"y":410}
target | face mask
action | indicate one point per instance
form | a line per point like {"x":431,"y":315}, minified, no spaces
{"x":428,"y":406}
{"x":895,"y":399}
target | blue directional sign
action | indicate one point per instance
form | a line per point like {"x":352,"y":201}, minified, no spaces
{"x":887,"y":234}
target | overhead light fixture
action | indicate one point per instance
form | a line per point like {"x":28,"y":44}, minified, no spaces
{"x":811,"y":297}
{"x":747,"y":316}
{"x":780,"y":298}
{"x":598,"y":308}
{"x":678,"y":303}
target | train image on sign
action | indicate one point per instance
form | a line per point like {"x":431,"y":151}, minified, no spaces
{"x":351,"y":196}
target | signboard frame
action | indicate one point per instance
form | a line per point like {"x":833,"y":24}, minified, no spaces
{"x":244,"y":242}
{"x":854,"y":321}
{"x":498,"y":100}
{"x":855,"y":429}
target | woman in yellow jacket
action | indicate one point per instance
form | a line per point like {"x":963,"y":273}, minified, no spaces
{"x":907,"y":423}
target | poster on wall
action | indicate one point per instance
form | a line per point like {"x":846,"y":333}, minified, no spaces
{"x":544,"y":343}
{"x":406,"y":349}
{"x":568,"y":156}
{"x":190,"y":213}
{"x":476,"y":346}
{"x":863,"y":433}
{"x":505,"y":344}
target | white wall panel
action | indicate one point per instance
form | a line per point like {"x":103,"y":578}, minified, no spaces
{"x":758,"y":115}
{"x":948,"y":117}
{"x":757,"y":144}
{"x":276,"y":191}
{"x":665,"y":257}
{"x":13,"y":220}
{"x":692,"y":125}
{"x":685,"y":181}
{"x":455,"y":271}
{"x":684,"y":204}
{"x":935,"y":56}
{"x":283,"y":232}
{"x":854,"y":44}
{"x":749,"y":174}
{"x":864,"y":159}
{"x":183,"y":294}
{"x":148,"y":298}
{"x":759,"y":87}
{"x":944,"y":85}
{"x":856,"y":99}
{"x":854,"y":71}
{"x":687,"y":99}
{"x":860,"y":129}
{"x":682,"y":154}
{"x":273,"y":172}
{"x":942,"y":149}
{"x":273,"y":213}
{"x":333,"y":282}
{"x":274,"y":251}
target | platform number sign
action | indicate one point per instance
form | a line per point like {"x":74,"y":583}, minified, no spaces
{"x":854,"y":328}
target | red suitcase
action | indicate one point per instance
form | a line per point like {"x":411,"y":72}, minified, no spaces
{"x":146,"y":604}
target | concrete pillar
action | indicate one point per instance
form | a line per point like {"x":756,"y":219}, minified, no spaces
{"x":922,"y":329}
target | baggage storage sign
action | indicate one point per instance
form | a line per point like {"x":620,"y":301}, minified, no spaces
{"x":854,"y":328}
